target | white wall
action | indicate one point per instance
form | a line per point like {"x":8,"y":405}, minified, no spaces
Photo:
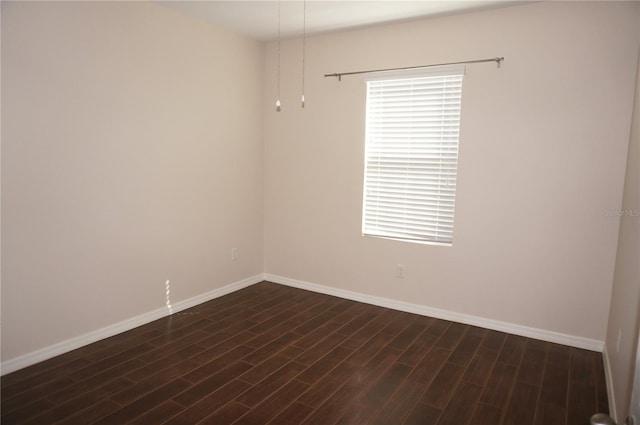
{"x":542,"y":156}
{"x":625,"y":301}
{"x":131,"y":154}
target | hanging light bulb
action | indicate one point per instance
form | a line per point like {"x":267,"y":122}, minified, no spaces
{"x":304,"y":44}
{"x":278,"y":105}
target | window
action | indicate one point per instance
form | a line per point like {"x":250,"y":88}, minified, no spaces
{"x":411,"y":155}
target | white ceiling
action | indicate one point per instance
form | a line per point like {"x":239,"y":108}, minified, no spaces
{"x":259,"y":19}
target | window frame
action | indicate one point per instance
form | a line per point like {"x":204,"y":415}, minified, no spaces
{"x":441,"y":214}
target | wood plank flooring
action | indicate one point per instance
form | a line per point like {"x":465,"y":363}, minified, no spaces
{"x":270,"y":354}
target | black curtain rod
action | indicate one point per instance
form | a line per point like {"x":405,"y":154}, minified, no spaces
{"x":341,"y":74}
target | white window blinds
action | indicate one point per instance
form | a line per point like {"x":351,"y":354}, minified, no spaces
{"x":411,"y":157}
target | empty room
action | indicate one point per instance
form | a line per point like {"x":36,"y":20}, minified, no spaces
{"x":320,"y":212}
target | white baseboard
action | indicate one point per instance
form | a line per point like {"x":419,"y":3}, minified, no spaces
{"x":29,"y":359}
{"x":111,"y":330}
{"x":608,"y":376}
{"x":541,"y":334}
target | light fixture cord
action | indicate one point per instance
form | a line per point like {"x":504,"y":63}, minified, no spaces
{"x":304,"y":43}
{"x":278,"y":99}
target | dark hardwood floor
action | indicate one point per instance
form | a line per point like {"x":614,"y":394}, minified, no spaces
{"x":278,"y":355}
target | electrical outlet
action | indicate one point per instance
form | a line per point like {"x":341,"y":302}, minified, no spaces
{"x":234,"y":254}
{"x":400,"y":271}
{"x":618,"y":341}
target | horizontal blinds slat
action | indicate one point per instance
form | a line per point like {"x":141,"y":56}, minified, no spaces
{"x":427,"y":226}
{"x":381,"y":180}
{"x":431,"y":230}
{"x":416,"y":211}
{"x":415,"y":191}
{"x":418,"y":159}
{"x":444,"y":210}
{"x":413,"y":222}
{"x":408,"y":237}
{"x":411,"y":157}
{"x":412,"y":232}
{"x":399,"y":203}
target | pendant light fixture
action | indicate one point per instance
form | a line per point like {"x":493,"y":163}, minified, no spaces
{"x":278,"y":105}
{"x":304,"y":43}
{"x":304,"y":48}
